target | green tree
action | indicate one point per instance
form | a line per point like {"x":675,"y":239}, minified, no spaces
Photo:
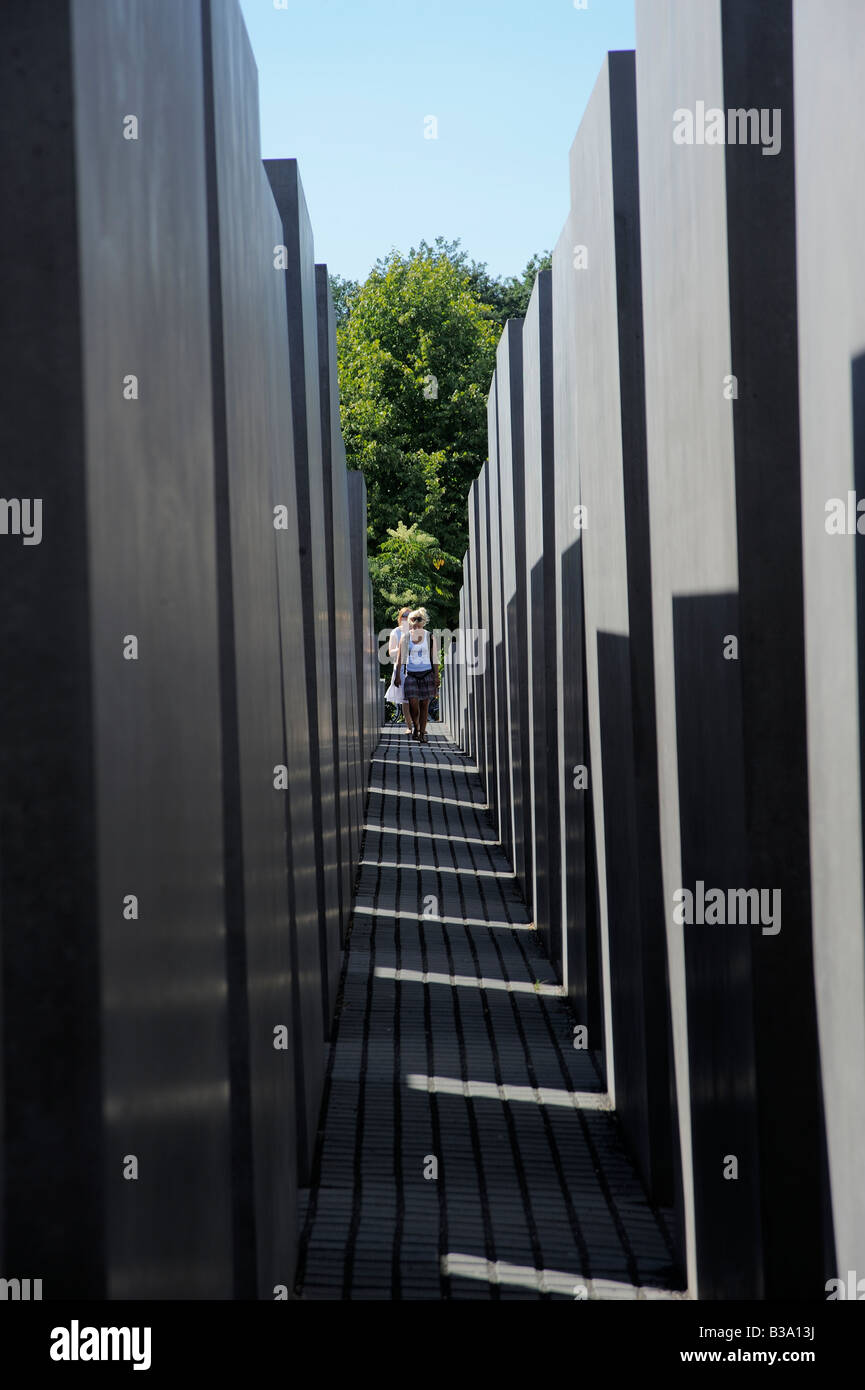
{"x":416,"y":349}
{"x":343,"y":292}
{"x":410,"y":567}
{"x":416,"y":354}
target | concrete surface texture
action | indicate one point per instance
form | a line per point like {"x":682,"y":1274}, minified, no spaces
{"x":707,"y":667}
{"x":590,"y":963}
{"x":165,"y":983}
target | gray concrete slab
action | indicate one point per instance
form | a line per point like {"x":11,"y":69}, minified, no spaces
{"x":496,"y":651}
{"x":577,"y":949}
{"x":343,"y":706}
{"x":473,"y":644}
{"x":356,"y":493}
{"x":46,"y":622}
{"x":373,"y":669}
{"x":511,"y":444}
{"x":312,"y":597}
{"x":542,"y":633}
{"x":761,"y":211}
{"x":725,"y":543}
{"x":458,"y":688}
{"x":359,"y":571}
{"x":152,"y":575}
{"x":694,"y":553}
{"x":469,"y":738}
{"x":112,"y":1023}
{"x":610,"y":413}
{"x":252,"y":428}
{"x":490,"y":756}
{"x":828,"y":74}
{"x":160,"y":679}
{"x":466,"y":681}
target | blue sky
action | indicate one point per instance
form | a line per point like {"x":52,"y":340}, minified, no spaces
{"x":345,"y":87}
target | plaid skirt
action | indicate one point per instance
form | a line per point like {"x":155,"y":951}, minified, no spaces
{"x":419,"y":685}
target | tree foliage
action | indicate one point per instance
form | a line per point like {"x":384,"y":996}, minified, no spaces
{"x":343,"y":292}
{"x":509,"y":297}
{"x":416,"y":349}
{"x":409,"y":567}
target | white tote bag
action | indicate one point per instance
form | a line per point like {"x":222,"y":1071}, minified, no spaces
{"x":394,"y":694}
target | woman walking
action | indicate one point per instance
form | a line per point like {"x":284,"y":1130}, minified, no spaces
{"x":396,"y":693}
{"x":417,"y":670}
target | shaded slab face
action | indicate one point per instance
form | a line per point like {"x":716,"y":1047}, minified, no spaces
{"x":339,"y":577}
{"x":159,"y":671}
{"x":732,"y":525}
{"x":364,"y":653}
{"x":610,"y":423}
{"x":49,"y":974}
{"x":693,"y":510}
{"x":719,"y":996}
{"x":152,"y":576}
{"x":498,"y":667}
{"x":465,"y":619}
{"x":511,"y":446}
{"x":252,"y":430}
{"x":355,"y":504}
{"x":541,"y":633}
{"x":830,"y":218}
{"x":309,"y":603}
{"x":761,"y":211}
{"x":578,"y":943}
{"x":472,"y":646}
{"x":373,"y":667}
{"x":489,"y":772}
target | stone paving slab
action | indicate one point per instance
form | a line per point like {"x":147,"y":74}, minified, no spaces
{"x":453,"y":1043}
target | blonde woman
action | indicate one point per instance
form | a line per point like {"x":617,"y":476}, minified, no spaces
{"x":394,"y":693}
{"x":418,"y":671}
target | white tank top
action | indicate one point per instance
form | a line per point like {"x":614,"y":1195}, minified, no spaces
{"x":418,"y":655}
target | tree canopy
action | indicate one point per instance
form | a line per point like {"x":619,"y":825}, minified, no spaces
{"x":416,"y":348}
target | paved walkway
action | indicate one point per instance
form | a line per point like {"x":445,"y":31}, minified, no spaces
{"x":466,"y":1149}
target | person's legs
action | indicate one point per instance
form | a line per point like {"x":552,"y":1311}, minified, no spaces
{"x":413,"y":709}
{"x":406,"y":714}
{"x":424,"y":709}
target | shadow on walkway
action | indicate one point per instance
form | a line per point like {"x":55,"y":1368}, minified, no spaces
{"x":453,"y":1055}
